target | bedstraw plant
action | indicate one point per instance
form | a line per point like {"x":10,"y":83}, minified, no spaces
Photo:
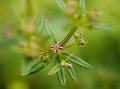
{"x":33,"y":30}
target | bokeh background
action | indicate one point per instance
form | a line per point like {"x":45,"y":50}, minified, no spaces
{"x":102,"y":50}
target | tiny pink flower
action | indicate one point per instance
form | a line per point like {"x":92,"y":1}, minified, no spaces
{"x":56,"y":47}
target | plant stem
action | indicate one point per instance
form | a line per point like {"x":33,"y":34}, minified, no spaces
{"x":68,"y":36}
{"x":29,"y":8}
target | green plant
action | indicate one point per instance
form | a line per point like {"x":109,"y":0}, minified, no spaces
{"x":37,"y":55}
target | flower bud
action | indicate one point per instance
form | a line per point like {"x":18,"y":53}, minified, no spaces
{"x":71,"y":55}
{"x":8,"y":33}
{"x":43,"y":57}
{"x":22,"y":44}
{"x":82,"y":41}
{"x":63,"y":64}
{"x":68,"y":65}
{"x":93,"y":16}
{"x":72,"y":7}
{"x":72,"y":3}
{"x":33,"y":45}
{"x":28,"y":27}
{"x":79,"y":39}
{"x":30,"y":50}
{"x":30,"y":56}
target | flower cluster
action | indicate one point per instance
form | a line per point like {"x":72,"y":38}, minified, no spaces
{"x":38,"y":54}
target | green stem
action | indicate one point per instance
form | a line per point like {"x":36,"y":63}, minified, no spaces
{"x":29,"y":8}
{"x":68,"y":36}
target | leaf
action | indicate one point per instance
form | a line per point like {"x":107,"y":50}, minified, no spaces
{"x":72,"y":73}
{"x":54,"y":70}
{"x":102,"y":26}
{"x":82,"y":5}
{"x":61,"y":76}
{"x":40,"y":23}
{"x":49,"y":30}
{"x":61,"y":5}
{"x":32,"y":66}
{"x":78,"y":61}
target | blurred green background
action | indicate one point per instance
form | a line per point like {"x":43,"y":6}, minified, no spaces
{"x":102,"y":50}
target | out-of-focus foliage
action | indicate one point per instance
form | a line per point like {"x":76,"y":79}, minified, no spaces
{"x":102,"y":50}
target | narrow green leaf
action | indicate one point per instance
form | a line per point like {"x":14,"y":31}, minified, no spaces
{"x":40,"y":23}
{"x":82,"y":5}
{"x":32,"y":66}
{"x":54,"y":70}
{"x":61,"y":5}
{"x":37,"y":68}
{"x":61,"y":76}
{"x":78,"y":61}
{"x":49,"y":29}
{"x":72,"y":73}
{"x":102,"y":26}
